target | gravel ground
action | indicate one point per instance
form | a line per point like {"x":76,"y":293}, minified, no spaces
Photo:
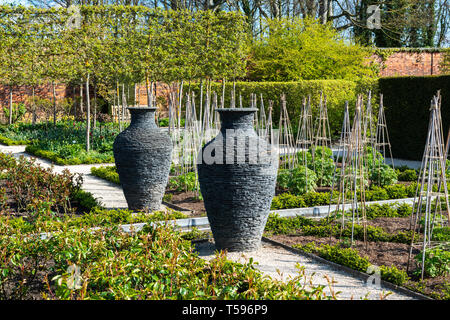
{"x":280,"y":264}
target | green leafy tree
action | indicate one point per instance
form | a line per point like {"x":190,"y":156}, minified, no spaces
{"x":296,"y":49}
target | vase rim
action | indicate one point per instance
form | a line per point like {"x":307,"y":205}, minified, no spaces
{"x":142,"y":108}
{"x":236,"y":109}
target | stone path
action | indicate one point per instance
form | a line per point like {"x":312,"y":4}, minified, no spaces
{"x":276,"y":262}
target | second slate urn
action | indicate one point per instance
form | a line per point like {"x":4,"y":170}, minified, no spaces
{"x":237,"y":174}
{"x":143,"y":154}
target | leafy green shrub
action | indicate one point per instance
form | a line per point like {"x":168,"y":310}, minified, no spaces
{"x":323,"y":165}
{"x":344,"y":256}
{"x":287,"y":201}
{"x":380,"y":210}
{"x":437,"y":262}
{"x":407,"y":175}
{"x":108,"y":173}
{"x":305,"y":49}
{"x":383,"y":175}
{"x":376,"y":193}
{"x":184,"y":182}
{"x":397,"y":191}
{"x":283,"y":178}
{"x":302,"y":180}
{"x":298,"y":180}
{"x":441,"y":234}
{"x":393,"y":275}
{"x":85,"y":200}
{"x":313,"y":199}
{"x":18,"y":111}
{"x":11,"y":142}
{"x":279,"y":225}
{"x":155,"y":263}
{"x":352,"y":259}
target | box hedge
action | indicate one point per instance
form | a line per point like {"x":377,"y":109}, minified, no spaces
{"x":407,"y":106}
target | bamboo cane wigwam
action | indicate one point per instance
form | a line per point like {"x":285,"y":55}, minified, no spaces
{"x":431,"y":189}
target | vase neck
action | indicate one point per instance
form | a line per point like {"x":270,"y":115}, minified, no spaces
{"x":143,"y":117}
{"x":236,"y":119}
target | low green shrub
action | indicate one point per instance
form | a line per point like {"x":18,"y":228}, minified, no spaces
{"x":383,"y":175}
{"x":11,"y":142}
{"x":279,"y":225}
{"x":376,"y":193}
{"x":298,"y":180}
{"x":441,"y":234}
{"x":393,"y":275}
{"x":344,"y":256}
{"x":407,"y":175}
{"x":183,"y":182}
{"x":352,"y":259}
{"x":287,"y":201}
{"x":437,"y":262}
{"x":397,"y":191}
{"x":108,"y":173}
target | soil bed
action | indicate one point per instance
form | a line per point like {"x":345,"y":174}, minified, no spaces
{"x":187,"y":200}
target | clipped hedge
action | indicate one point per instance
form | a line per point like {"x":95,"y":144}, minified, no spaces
{"x":407,"y":103}
{"x":10,"y":142}
{"x":352,"y":259}
{"x":337,"y":92}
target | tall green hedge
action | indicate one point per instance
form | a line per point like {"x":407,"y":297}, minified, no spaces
{"x":337,"y":92}
{"x":407,"y":102}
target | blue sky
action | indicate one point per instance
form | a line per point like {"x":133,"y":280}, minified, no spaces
{"x":13,"y":1}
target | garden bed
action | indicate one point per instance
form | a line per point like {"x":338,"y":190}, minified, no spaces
{"x":88,"y":255}
{"x":387,"y":247}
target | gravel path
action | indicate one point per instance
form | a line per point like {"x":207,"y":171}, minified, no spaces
{"x":280,"y":264}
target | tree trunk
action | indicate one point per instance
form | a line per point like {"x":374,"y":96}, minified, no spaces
{"x":54,"y":103}
{"x":95,"y":106}
{"x":10,"y":105}
{"x":124,"y":102}
{"x":88,"y":116}
{"x":149,"y":93}
{"x":323,"y":11}
{"x":81,"y":100}
{"x":117,"y":107}
{"x":33,"y":99}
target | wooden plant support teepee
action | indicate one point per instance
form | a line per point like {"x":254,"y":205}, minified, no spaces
{"x":382,"y":144}
{"x":353,"y":173}
{"x":305,"y":137}
{"x":322,"y":138}
{"x":286,"y":137}
{"x":431,"y":192}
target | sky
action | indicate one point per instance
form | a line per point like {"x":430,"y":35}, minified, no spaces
{"x":13,"y":2}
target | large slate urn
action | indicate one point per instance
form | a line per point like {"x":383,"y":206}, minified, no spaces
{"x":143,"y":154}
{"x":237,"y":173}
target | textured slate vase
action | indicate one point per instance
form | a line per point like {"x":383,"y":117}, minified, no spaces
{"x":143,"y":155}
{"x":237,"y":174}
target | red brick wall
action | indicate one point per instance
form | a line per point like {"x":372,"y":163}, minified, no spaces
{"x":406,"y":63}
{"x":23,"y":94}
